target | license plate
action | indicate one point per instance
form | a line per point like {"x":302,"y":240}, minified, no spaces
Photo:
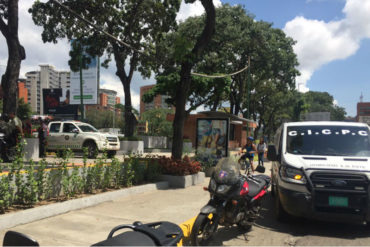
{"x":337,"y":201}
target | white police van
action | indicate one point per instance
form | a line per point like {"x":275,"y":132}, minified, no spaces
{"x":322,"y":170}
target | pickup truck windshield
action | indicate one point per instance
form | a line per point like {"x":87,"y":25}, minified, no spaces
{"x":328,"y":140}
{"x":87,"y":128}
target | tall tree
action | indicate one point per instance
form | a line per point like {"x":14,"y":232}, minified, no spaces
{"x":272,"y":74}
{"x":16,"y":53}
{"x":175,"y":66}
{"x":185,"y":75}
{"x":324,"y":102}
{"x":139,"y":23}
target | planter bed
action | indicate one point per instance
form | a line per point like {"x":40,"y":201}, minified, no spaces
{"x":183,"y":181}
{"x":127,"y":147}
{"x":40,"y":212}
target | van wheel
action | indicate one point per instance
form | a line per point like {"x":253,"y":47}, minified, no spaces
{"x":280,"y":213}
{"x":273,"y":188}
{"x":92,"y":150}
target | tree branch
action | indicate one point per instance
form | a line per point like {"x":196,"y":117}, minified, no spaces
{"x":208,"y":30}
{"x":196,"y":105}
{"x":133,"y":64}
{"x":4,"y":28}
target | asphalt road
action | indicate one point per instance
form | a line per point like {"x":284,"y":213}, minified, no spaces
{"x":90,"y":225}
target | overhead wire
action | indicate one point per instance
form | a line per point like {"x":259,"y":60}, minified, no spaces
{"x":80,"y":17}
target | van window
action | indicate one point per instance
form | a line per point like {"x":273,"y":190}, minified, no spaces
{"x":328,"y":140}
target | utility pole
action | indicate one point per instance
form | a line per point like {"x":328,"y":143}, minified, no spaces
{"x":82,"y":108}
{"x":248,"y":86}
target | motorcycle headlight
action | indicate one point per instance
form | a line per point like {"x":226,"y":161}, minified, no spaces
{"x":223,"y":189}
{"x":292,"y":175}
{"x":212,"y":185}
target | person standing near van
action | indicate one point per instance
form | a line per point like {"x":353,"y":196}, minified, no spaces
{"x":261,"y":149}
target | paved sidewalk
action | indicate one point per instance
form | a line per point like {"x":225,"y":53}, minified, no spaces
{"x":91,"y":225}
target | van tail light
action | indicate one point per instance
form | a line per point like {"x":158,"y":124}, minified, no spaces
{"x":245,"y":189}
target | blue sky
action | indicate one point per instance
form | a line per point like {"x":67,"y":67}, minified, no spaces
{"x":333,"y":45}
{"x":345,"y":77}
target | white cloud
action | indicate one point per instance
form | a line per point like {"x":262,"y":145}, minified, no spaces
{"x":194,"y":9}
{"x":319,"y":42}
{"x":37,"y":52}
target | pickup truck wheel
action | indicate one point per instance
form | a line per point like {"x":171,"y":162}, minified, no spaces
{"x":111,"y":154}
{"x":92,"y":150}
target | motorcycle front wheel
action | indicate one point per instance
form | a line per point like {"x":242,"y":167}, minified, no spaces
{"x":203,"y":230}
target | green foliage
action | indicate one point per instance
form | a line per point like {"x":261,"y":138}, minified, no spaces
{"x":24,"y":110}
{"x":206,"y":160}
{"x":129,"y":173}
{"x":323,"y":102}
{"x":139,"y":23}
{"x":153,"y":170}
{"x":104,"y":119}
{"x":31,"y":186}
{"x":6,"y":193}
{"x":157,"y":122}
{"x":26,"y":185}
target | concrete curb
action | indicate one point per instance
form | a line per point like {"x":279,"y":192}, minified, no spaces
{"x":29,"y":215}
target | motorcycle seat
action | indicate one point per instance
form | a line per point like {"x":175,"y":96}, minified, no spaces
{"x":132,"y":238}
{"x":256,"y":184}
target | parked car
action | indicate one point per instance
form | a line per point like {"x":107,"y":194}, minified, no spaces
{"x":321,"y":170}
{"x":114,"y":131}
{"x":78,"y":135}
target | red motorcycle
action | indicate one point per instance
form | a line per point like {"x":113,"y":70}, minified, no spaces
{"x":235,"y":199}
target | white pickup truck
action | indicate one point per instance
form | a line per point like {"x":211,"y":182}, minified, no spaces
{"x":78,"y":135}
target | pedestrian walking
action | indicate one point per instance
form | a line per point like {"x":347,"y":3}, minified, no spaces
{"x":42,"y":134}
{"x":261,"y":149}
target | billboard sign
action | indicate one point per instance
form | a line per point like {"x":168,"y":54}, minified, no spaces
{"x":212,"y":136}
{"x":90,"y":80}
{"x":57,"y":102}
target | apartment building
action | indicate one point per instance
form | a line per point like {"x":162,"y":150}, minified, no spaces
{"x":46,"y":77}
{"x":158,"y":102}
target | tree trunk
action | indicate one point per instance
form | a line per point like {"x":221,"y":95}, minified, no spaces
{"x":185,"y":78}
{"x":16,"y":54}
{"x":130,"y":120}
{"x":178,"y":122}
{"x":240,"y":96}
{"x":216,"y":103}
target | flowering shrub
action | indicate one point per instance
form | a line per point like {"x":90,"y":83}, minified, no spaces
{"x":186,"y":166}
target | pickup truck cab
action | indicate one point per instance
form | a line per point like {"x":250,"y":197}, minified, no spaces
{"x":321,"y":170}
{"x":77,"y":135}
